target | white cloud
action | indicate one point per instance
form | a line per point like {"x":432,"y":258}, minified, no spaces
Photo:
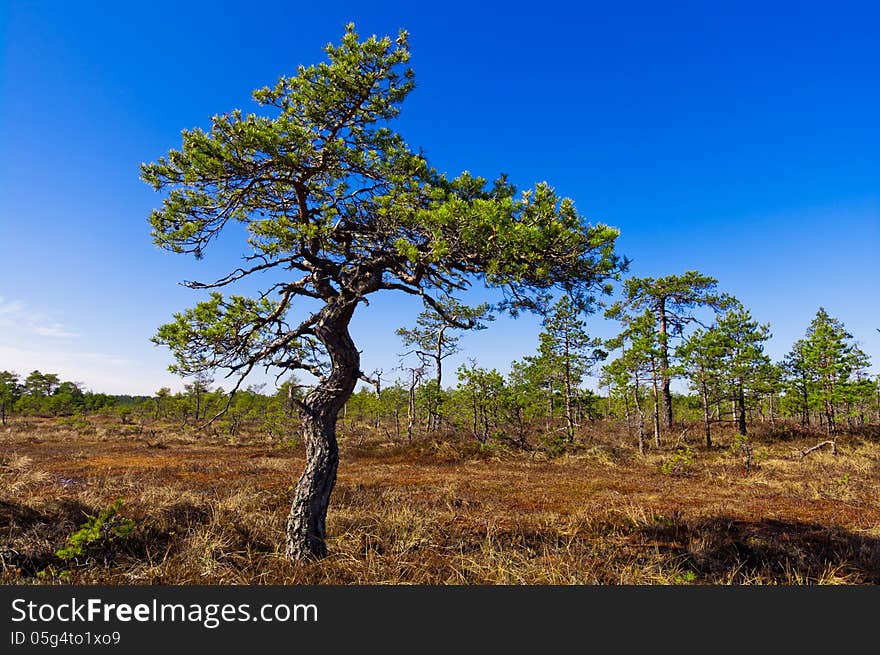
{"x":14,"y":308}
{"x":99,"y":372}
{"x":15,"y":317}
{"x":55,"y":330}
{"x":30,"y":340}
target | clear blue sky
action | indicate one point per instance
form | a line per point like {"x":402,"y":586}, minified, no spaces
{"x":740,"y":139}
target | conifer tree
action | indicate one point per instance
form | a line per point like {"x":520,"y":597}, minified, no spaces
{"x":566,"y":353}
{"x":830,"y":358}
{"x":742,"y":339}
{"x":672,"y":300}
{"x":336,"y":206}
{"x":434,"y":339}
{"x":701,"y":360}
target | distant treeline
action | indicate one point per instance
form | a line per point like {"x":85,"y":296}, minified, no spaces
{"x":45,"y":394}
{"x":822,"y":381}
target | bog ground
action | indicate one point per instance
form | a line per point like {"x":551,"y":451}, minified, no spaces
{"x":211,"y":511}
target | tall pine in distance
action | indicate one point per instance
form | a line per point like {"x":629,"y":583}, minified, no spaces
{"x":434,"y":338}
{"x":566,"y":354}
{"x":744,"y":362}
{"x":825,"y":362}
{"x":673,"y":300}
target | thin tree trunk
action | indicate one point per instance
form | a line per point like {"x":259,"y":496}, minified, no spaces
{"x":829,"y":409}
{"x":476,"y":418}
{"x":656,"y":412}
{"x":520,"y":426}
{"x":625,"y":396}
{"x":664,"y":368}
{"x":411,"y":412}
{"x":741,"y":408}
{"x":641,"y":418}
{"x":805,"y":419}
{"x":706,"y":418}
{"x":438,"y":378}
{"x":569,"y":416}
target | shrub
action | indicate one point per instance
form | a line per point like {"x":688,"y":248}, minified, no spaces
{"x":96,"y":534}
{"x":680,"y":463}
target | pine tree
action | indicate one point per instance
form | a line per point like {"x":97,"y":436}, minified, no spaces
{"x":701,"y":359}
{"x":636,"y":367}
{"x":829,"y":359}
{"x":672,"y":300}
{"x":434,"y":339}
{"x":336,"y":207}
{"x":797,"y":381}
{"x":10,"y":392}
{"x":744,"y":360}
{"x":566,"y":354}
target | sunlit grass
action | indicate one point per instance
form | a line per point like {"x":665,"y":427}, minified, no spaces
{"x":441,"y":511}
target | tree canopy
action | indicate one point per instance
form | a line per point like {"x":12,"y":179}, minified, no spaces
{"x":673,"y":299}
{"x":341,"y":207}
{"x":337,"y":206}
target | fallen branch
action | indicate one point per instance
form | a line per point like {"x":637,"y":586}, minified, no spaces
{"x":806,"y":452}
{"x":682,"y":437}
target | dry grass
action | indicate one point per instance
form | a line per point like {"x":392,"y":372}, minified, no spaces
{"x":211,"y":512}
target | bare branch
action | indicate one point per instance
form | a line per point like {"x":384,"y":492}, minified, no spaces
{"x":433,"y":304}
{"x":236,"y":275}
{"x":231,"y":396}
{"x":298,"y":363}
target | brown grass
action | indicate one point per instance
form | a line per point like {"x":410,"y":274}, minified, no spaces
{"x":207,"y":511}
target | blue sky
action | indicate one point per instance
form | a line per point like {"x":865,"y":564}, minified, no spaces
{"x":739,"y":140}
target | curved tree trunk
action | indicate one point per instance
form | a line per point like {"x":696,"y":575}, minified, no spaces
{"x":306,"y":524}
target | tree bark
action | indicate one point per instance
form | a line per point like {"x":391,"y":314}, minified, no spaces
{"x":831,"y":443}
{"x":664,"y":368}
{"x":641,"y":417}
{"x":306,"y":524}
{"x":706,"y":419}
{"x":805,"y":419}
{"x":569,"y":417}
{"x":438,"y":365}
{"x":656,"y":412}
{"x":411,"y":411}
{"x":741,"y":408}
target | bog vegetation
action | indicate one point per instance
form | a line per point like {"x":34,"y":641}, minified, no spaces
{"x":696,"y":458}
{"x":765,"y":478}
{"x":821,"y":385}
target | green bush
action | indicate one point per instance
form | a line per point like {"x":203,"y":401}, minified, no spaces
{"x":77,"y":422}
{"x":680,"y":463}
{"x":554,"y":444}
{"x":97,"y":533}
